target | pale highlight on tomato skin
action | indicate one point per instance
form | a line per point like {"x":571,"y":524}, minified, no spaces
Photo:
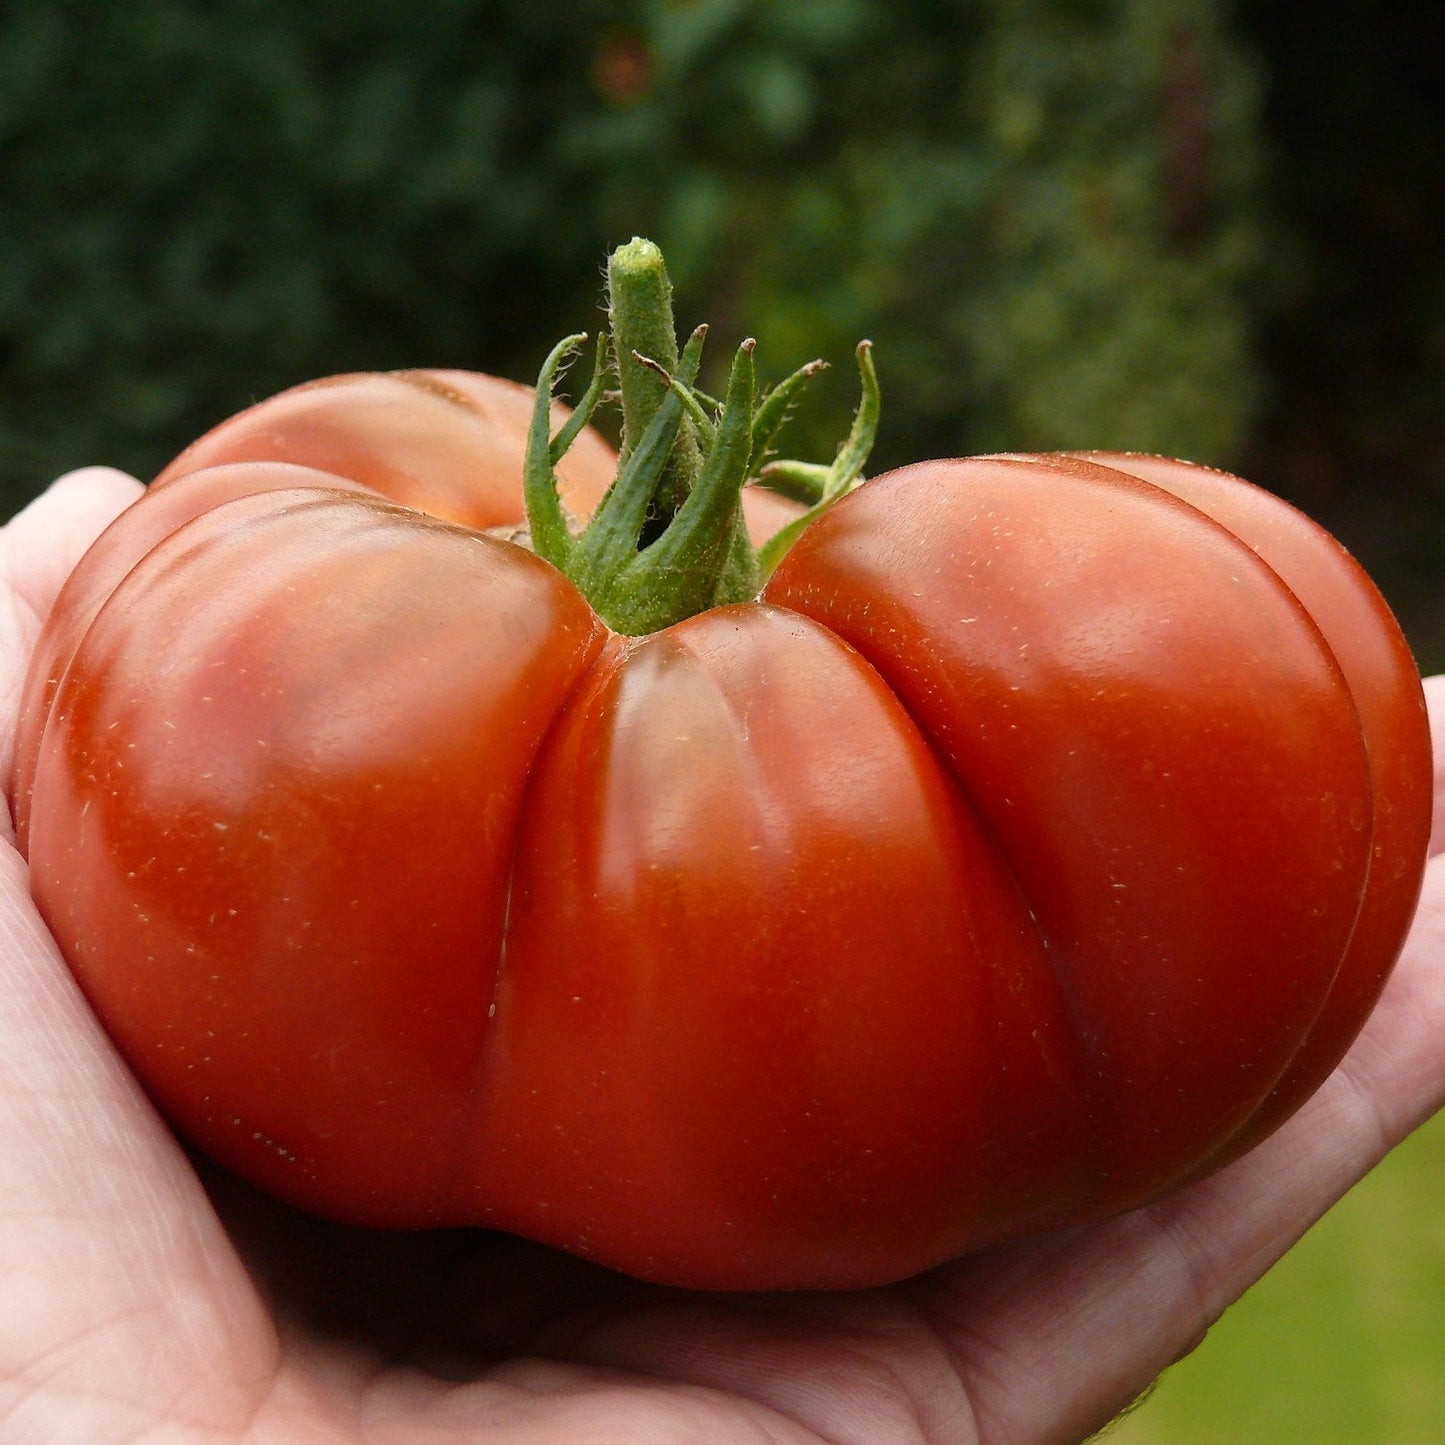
{"x":120,"y":548}
{"x":1036,"y":843}
{"x":273,"y":830}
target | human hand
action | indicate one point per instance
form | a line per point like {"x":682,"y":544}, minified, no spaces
{"x":149,"y":1296}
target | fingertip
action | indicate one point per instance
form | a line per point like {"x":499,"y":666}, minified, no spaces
{"x":98,"y":484}
{"x":76,"y":507}
{"x":1435,"y":706}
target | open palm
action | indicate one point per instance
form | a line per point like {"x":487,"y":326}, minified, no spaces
{"x":147,"y":1297}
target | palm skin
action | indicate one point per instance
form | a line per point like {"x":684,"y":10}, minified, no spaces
{"x":149,"y":1298}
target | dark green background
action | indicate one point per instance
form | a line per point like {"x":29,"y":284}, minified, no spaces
{"x":1201,"y":228}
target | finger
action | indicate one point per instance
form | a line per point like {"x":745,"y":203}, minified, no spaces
{"x":121,"y":1290}
{"x":1435,"y":702}
{"x":46,"y":539}
{"x":109,"y":1253}
{"x":38,"y":548}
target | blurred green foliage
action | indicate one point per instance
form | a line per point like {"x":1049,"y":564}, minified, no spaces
{"x":1046,"y":215}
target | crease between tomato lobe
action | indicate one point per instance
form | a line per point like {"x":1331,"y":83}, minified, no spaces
{"x":1366,"y":642}
{"x":779,"y":904}
{"x":952,"y":559}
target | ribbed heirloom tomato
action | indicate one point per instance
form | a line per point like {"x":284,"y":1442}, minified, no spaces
{"x":1036,"y":841}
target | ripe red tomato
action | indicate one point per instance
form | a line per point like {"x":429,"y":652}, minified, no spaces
{"x":1038,"y":840}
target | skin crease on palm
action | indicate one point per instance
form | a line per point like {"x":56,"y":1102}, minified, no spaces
{"x":148,"y":1299}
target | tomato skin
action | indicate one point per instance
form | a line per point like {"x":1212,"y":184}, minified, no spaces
{"x":449,"y":443}
{"x":1037,"y":842}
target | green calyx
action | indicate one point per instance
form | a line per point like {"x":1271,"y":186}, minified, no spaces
{"x":669,"y":539}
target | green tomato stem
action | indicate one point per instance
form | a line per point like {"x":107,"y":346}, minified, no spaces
{"x":551,"y":537}
{"x":680,"y":572}
{"x":669,"y":539}
{"x":613,"y":539}
{"x":639,"y":306}
{"x":838,"y":480}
